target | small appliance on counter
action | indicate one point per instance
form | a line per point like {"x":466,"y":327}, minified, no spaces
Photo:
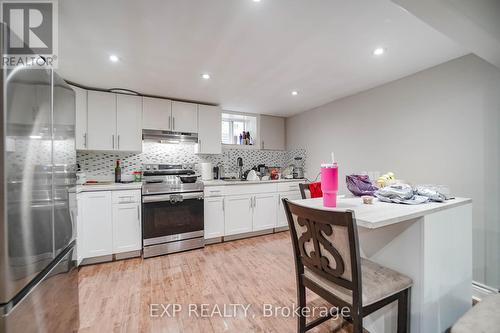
{"x":262,"y":169}
{"x":298,"y":168}
{"x":206,"y":171}
{"x":172,"y":210}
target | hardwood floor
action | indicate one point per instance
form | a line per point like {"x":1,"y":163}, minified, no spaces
{"x":117,"y":296}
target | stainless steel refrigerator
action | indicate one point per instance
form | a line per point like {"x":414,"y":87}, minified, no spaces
{"x":38,"y":276}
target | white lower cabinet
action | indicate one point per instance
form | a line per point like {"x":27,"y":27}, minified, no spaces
{"x":96,"y":214}
{"x":214,"y":217}
{"x":282,"y":220}
{"x":126,"y":227}
{"x":109,"y":222}
{"x":238,"y":209}
{"x":238,"y":214}
{"x":264,"y":211}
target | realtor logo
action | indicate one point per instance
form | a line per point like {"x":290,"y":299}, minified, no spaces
{"x":30,"y":35}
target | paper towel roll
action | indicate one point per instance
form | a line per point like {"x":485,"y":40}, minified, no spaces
{"x":206,"y":171}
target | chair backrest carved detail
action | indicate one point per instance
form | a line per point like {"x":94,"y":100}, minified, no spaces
{"x":326,"y":242}
{"x":317,"y":258}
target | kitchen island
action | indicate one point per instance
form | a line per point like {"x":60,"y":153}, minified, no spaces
{"x":431,"y":243}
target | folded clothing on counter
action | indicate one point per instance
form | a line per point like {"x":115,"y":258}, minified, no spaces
{"x":405,"y":194}
{"x":315,"y":189}
{"x":360,"y":185}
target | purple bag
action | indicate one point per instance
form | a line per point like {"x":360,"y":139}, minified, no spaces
{"x":360,"y":185}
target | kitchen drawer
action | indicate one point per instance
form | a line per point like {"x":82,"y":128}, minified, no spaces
{"x":250,"y":189}
{"x":126,"y":196}
{"x":214,"y":191}
{"x":289,"y":186}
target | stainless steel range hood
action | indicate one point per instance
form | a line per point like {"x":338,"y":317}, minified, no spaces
{"x":168,"y":136}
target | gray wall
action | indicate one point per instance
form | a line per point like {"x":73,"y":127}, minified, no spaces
{"x":437,"y":126}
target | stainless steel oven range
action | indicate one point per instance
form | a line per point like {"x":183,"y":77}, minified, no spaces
{"x":172,"y":211}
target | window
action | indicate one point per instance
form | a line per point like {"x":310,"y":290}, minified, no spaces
{"x":233,"y":126}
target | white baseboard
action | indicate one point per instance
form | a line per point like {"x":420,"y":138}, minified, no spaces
{"x":480,"y":290}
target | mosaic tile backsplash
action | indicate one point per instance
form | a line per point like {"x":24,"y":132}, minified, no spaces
{"x":100,"y":165}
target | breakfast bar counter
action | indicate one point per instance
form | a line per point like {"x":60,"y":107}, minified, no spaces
{"x":431,"y":243}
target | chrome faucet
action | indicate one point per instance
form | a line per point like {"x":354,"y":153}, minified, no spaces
{"x":239,"y":162}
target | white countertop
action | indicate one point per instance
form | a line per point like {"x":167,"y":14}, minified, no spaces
{"x":108,"y":187}
{"x":381,"y":214}
{"x":218,"y":182}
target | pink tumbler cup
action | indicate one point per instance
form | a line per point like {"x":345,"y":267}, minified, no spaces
{"x":329,"y":184}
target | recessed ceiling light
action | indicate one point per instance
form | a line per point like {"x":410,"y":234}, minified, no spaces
{"x":256,"y":0}
{"x":379,"y":51}
{"x":205,"y":76}
{"x":295,"y":93}
{"x":35,"y":136}
{"x":114,"y":58}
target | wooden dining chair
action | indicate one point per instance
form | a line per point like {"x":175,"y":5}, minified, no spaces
{"x":304,"y":190}
{"x":327,"y":261}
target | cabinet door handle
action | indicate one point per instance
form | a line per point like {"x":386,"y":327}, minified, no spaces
{"x":138,"y":214}
{"x":173,"y":123}
{"x":199,"y":145}
{"x":169,"y":127}
{"x":113,"y":140}
{"x":85,"y":140}
{"x":118,"y":141}
{"x":262,"y":144}
{"x":223,"y":205}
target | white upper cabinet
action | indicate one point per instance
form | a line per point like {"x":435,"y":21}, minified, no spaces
{"x":209,"y":130}
{"x":184,"y":117}
{"x":128,"y":123}
{"x":101,"y":120}
{"x":81,"y":118}
{"x":272,"y":132}
{"x":114,"y":122}
{"x":156,"y":113}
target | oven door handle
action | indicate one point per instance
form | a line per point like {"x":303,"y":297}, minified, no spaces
{"x":171,"y":197}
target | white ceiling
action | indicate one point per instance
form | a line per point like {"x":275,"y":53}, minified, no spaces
{"x":256,"y":52}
